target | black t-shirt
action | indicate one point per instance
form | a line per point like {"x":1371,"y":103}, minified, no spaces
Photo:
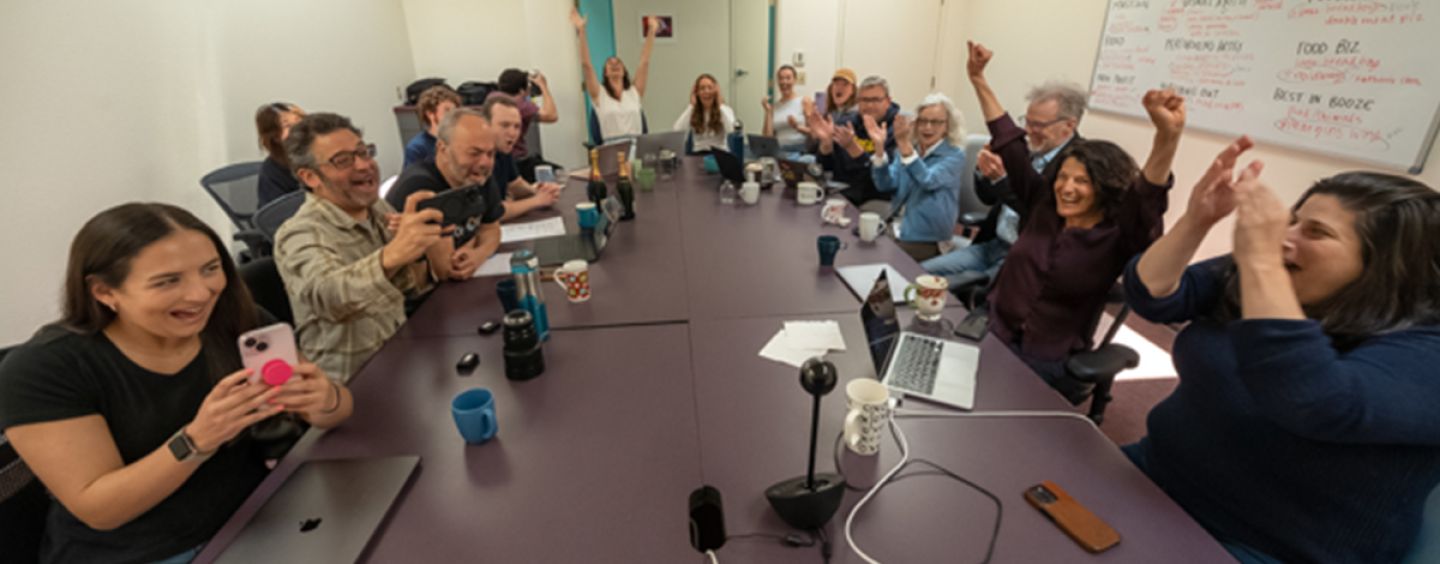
{"x":275,"y":181}
{"x":426,"y":176}
{"x":505,"y":171}
{"x":61,"y":375}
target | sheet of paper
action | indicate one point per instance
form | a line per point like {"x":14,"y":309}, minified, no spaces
{"x":513,"y":232}
{"x":815,"y":335}
{"x":499,"y":264}
{"x":861,"y":278}
{"x":779,"y":350}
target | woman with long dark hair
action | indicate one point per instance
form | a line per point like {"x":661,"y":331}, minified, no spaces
{"x":273,"y":122}
{"x":1304,"y":426}
{"x":132,"y":409}
{"x":784,"y":118}
{"x":707,"y":118}
{"x":617,"y":99}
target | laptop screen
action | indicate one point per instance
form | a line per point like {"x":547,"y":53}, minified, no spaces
{"x":611,"y":209}
{"x":882,"y":326}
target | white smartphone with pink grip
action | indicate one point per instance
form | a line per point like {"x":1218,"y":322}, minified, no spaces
{"x":269,"y":352}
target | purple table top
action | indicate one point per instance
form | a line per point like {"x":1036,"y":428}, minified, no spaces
{"x":759,"y":260}
{"x":593,"y":462}
{"x":754,"y":432}
{"x":640,"y":278}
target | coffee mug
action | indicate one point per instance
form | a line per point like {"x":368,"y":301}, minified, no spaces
{"x":750,"y":192}
{"x":574,"y":279}
{"x":508,"y":298}
{"x":828,"y":246}
{"x":867,"y":405}
{"x":544,"y":173}
{"x":808,"y":193}
{"x":754,"y":172}
{"x":870,"y":226}
{"x":474,"y":412}
{"x":930,"y":293}
{"x":834,"y":210}
{"x":586,"y":215}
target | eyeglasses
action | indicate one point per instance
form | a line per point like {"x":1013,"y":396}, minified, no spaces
{"x":872,"y":100}
{"x":930,"y":123}
{"x":1038,"y":125}
{"x":346,"y":159}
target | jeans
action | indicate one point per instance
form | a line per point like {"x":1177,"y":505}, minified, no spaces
{"x":182,"y":558}
{"x":984,"y":257}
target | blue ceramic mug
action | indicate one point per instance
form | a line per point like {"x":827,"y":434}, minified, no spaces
{"x":828,"y":246}
{"x":586,"y":215}
{"x":474,"y":412}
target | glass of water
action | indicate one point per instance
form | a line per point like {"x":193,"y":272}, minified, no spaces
{"x":727,"y":193}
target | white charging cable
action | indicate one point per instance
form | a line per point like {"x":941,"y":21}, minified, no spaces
{"x":904,"y":457}
{"x":711,"y":554}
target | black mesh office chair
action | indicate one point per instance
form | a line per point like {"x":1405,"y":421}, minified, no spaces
{"x":237,"y":189}
{"x":1100,"y":365}
{"x":24,"y":503}
{"x":267,"y":288}
{"x":267,"y":220}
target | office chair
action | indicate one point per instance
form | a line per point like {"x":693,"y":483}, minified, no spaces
{"x":236,"y":189}
{"x":1099,"y":366}
{"x":267,"y":288}
{"x":407,"y":120}
{"x":267,"y":220}
{"x":972,"y":210}
{"x":24,"y":504}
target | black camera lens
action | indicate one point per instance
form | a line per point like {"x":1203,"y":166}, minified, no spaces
{"x":250,"y":342}
{"x":262,"y":346}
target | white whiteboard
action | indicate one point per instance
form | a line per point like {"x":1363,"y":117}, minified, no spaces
{"x":1358,"y":79}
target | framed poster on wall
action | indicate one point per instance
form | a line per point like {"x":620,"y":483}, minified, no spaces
{"x":666,"y":33}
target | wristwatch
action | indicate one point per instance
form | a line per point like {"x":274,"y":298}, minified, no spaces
{"x":183,"y":447}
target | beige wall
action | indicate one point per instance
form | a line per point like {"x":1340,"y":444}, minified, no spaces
{"x":462,"y":40}
{"x":115,"y":102}
{"x":701,"y":45}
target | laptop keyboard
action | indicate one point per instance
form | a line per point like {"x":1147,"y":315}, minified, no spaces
{"x":564,"y":248}
{"x":916,"y":364}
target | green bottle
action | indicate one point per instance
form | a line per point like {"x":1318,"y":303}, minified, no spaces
{"x":627,"y":192}
{"x":596,"y":191}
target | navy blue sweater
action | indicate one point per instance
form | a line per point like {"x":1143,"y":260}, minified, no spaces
{"x":1276,"y":440}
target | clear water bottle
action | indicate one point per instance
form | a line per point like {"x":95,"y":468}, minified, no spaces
{"x":727,"y":193}
{"x":526,"y":268}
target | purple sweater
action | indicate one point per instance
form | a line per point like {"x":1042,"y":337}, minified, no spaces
{"x":1055,"y":281}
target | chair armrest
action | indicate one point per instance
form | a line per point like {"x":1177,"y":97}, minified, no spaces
{"x":1102,"y":363}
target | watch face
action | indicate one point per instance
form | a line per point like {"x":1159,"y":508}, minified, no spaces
{"x":180,"y":447}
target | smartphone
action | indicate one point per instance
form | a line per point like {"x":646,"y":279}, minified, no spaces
{"x":270,"y":353}
{"x":462,"y":207}
{"x":974,"y":326}
{"x":544,"y":173}
{"x":1074,"y":519}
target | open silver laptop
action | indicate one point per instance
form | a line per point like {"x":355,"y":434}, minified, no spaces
{"x":324,"y":513}
{"x":652,"y":143}
{"x":916,"y":365}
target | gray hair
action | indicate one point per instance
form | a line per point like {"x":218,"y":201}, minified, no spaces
{"x":954,"y":120}
{"x":871,"y":82}
{"x":452,"y":117}
{"x":1071,"y":97}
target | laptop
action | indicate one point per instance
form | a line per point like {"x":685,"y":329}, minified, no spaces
{"x":324,"y":513}
{"x":794,"y":172}
{"x":730,"y":167}
{"x":609,"y":164}
{"x":651,"y":144}
{"x":916,"y":365}
{"x":763,"y":146}
{"x":585,"y":245}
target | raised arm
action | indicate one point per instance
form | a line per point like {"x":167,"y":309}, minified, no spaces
{"x":549,"y":113}
{"x":592,"y":84}
{"x":975,"y":67}
{"x":642,"y":72}
{"x":1213,"y":198}
{"x":769,"y":129}
{"x":1261,"y":221}
{"x":1167,"y":112}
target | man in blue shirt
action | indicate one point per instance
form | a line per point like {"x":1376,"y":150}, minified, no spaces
{"x":433,"y":104}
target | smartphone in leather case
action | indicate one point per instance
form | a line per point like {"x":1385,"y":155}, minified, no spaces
{"x":1078,"y":523}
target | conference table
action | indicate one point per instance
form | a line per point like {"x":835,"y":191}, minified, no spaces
{"x":654,"y":388}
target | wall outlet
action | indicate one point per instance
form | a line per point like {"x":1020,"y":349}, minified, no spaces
{"x":798,"y":59}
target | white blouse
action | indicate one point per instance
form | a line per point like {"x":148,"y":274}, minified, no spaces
{"x":708,"y":141}
{"x":619,"y":119}
{"x":786,"y":135}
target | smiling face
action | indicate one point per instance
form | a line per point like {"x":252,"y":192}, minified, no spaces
{"x":705,"y":90}
{"x":1322,"y":250}
{"x":1075,"y":193}
{"x":932,"y":125}
{"x":172,"y":287}
{"x":614,"y":71}
{"x":785,"y":79}
{"x":1044,"y":130}
{"x":842,"y":90}
{"x":352,"y":188}
{"x":874,"y":102}
{"x":469,"y":157}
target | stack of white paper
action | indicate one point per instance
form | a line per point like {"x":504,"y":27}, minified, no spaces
{"x":512,"y":232}
{"x":802,"y":340}
{"x":861,"y":278}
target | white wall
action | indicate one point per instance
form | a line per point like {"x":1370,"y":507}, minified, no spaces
{"x":463,"y":40}
{"x":701,"y":45}
{"x":117,"y":102}
{"x":808,"y":26}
